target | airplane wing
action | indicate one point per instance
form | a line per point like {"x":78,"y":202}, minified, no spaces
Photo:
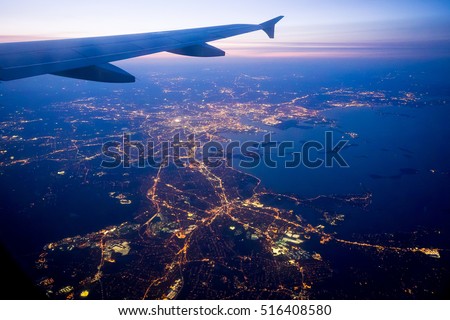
{"x":89,"y":58}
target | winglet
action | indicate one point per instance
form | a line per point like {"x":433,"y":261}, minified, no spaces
{"x":269,"y":26}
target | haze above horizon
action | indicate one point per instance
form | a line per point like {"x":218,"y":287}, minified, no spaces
{"x":325,"y":28}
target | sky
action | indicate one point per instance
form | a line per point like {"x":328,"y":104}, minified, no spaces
{"x":311,"y":28}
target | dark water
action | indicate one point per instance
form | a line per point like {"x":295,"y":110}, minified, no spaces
{"x":400,"y":156}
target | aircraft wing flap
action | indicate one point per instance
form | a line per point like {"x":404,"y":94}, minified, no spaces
{"x":37,"y":57}
{"x":155,"y":43}
{"x":107,"y":49}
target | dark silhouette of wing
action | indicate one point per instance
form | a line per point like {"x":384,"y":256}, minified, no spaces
{"x":89,"y":58}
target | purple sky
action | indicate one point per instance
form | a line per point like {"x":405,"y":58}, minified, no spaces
{"x":312,"y":28}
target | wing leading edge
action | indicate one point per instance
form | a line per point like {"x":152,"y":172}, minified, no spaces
{"x":89,"y":58}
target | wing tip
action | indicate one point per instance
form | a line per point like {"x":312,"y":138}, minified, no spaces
{"x":269,"y":26}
